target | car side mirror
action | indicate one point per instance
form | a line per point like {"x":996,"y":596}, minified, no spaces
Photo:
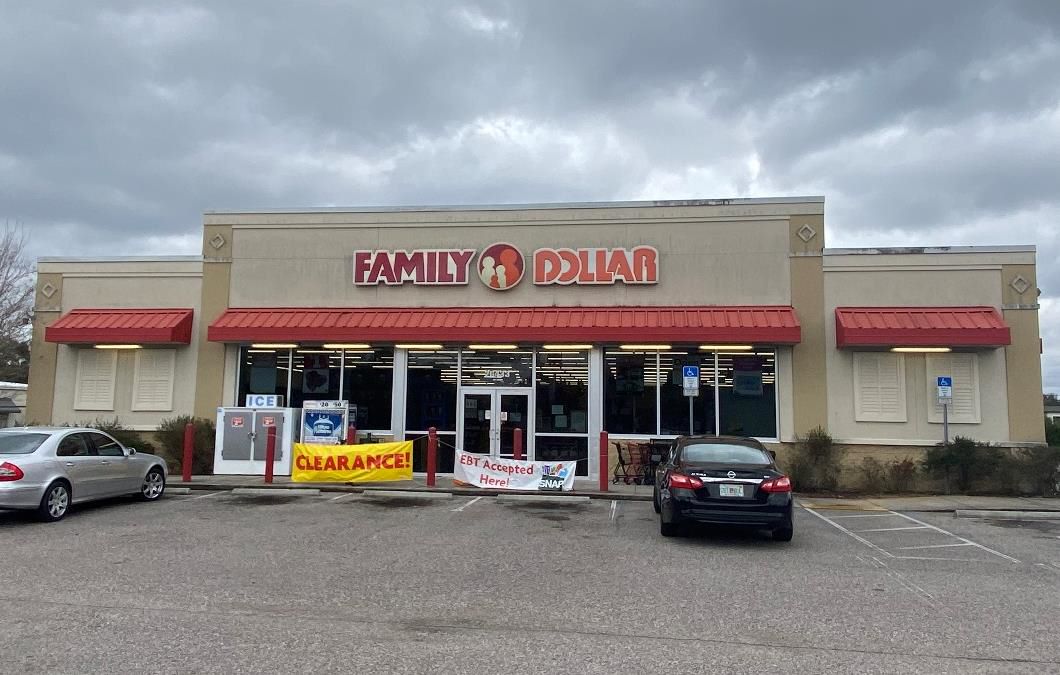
{"x":773,"y":454}
{"x":129,"y":452}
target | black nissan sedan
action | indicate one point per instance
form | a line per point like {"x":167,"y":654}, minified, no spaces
{"x":723,"y":480}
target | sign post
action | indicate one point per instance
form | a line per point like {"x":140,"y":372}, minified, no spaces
{"x":944,"y":393}
{"x":690,"y":380}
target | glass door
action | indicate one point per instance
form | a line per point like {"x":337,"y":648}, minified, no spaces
{"x":513,"y":411}
{"x":490,"y":419}
{"x":478,"y":423}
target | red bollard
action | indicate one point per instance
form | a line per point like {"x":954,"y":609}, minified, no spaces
{"x":432,"y":455}
{"x":603,"y":461}
{"x":517,"y":445}
{"x":270,"y":453}
{"x":189,"y":450}
{"x":351,"y":435}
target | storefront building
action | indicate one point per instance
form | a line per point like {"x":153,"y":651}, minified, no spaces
{"x":559,"y":320}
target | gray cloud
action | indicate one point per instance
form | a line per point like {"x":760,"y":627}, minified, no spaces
{"x":923,"y":123}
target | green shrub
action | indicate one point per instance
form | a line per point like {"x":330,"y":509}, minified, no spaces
{"x":1052,"y":433}
{"x":901,"y":474}
{"x":963,"y":461}
{"x":171,"y":435}
{"x":1040,"y":467}
{"x":816,"y":461}
{"x":127,"y":437}
{"x":872,"y":475}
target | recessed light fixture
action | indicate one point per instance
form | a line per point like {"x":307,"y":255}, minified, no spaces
{"x":492,"y":347}
{"x":119,"y":346}
{"x":418,"y":347}
{"x":568,"y":348}
{"x":727,"y":348}
{"x":646,"y":348}
{"x":921,"y":350}
{"x":352,"y":345}
{"x":274,"y":345}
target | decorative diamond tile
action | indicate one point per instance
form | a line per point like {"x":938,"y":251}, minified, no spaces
{"x":1020,"y":284}
{"x":218,"y":241}
{"x":806,"y":233}
{"x":48,"y":290}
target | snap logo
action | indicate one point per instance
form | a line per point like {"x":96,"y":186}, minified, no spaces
{"x":501,"y":266}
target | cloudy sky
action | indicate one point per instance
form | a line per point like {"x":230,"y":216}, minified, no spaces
{"x":921,"y":122}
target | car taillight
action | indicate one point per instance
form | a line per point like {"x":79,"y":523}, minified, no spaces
{"x":782,"y":484}
{"x":679,"y":480}
{"x":9,"y":471}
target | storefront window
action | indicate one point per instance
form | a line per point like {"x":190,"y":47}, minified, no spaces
{"x":368,"y":385}
{"x":484,"y":368}
{"x":563,"y":408}
{"x":315,"y":376}
{"x":674,"y":405}
{"x":563,"y":392}
{"x":564,"y":449}
{"x":262,"y":371}
{"x":747,"y":393}
{"x":430,"y":401}
{"x":630,"y":388}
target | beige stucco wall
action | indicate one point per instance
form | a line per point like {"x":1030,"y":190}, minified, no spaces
{"x":115,"y":284}
{"x":912,"y":279}
{"x":704,"y":258}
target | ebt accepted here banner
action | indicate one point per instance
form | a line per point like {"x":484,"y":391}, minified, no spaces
{"x":509,"y":474}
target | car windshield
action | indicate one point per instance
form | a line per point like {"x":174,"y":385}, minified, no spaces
{"x":20,"y":444}
{"x":724,"y":453}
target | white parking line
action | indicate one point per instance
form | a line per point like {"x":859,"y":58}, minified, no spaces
{"x":209,"y":494}
{"x":920,"y":525}
{"x":839,"y":527}
{"x":461,"y":508}
{"x":913,"y":548}
{"x":345,"y":494}
{"x":614,"y":509}
{"x":867,"y":515}
{"x":895,"y":529}
{"x":969,"y":541}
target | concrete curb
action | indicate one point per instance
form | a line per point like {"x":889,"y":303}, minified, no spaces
{"x":548,"y":499}
{"x":178,"y":490}
{"x":458,"y":491}
{"x":1008,"y":515}
{"x":405,"y":494}
{"x":292,"y":492}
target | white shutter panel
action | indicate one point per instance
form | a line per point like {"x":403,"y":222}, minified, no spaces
{"x":94,"y":383}
{"x":153,"y":379}
{"x":964,"y":369}
{"x":879,"y":387}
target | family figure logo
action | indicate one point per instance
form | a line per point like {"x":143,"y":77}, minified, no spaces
{"x":501,"y":266}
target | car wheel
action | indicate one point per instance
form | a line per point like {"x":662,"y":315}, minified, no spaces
{"x":655,"y":500}
{"x":154,"y":485}
{"x":55,"y":502}
{"x":784,"y":533}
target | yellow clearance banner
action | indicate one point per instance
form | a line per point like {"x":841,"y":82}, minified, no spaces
{"x":367,"y":463}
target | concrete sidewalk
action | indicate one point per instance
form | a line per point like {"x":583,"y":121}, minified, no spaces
{"x":590,"y":488}
{"x":942,"y":503}
{"x":582,"y":487}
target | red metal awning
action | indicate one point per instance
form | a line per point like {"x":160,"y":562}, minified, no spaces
{"x":920,"y":327}
{"x":758,"y":324}
{"x":122,"y":326}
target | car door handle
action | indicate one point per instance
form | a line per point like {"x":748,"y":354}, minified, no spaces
{"x":103,"y":461}
{"x":69,"y":464}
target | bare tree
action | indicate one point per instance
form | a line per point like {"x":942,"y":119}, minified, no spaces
{"x":16,"y":285}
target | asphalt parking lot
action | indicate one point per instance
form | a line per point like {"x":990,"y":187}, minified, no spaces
{"x":218,"y":582}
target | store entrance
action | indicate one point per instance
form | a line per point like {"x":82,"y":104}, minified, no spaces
{"x":490,"y":419}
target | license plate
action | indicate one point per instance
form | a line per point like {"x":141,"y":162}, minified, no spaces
{"x":731,"y":490}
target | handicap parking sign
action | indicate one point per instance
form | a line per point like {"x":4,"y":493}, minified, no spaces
{"x":690,"y":371}
{"x":944,"y":381}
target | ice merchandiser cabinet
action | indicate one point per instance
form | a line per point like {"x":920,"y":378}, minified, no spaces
{"x":242,"y":435}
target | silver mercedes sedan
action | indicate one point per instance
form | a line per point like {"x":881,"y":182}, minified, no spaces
{"x":47,"y":469}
